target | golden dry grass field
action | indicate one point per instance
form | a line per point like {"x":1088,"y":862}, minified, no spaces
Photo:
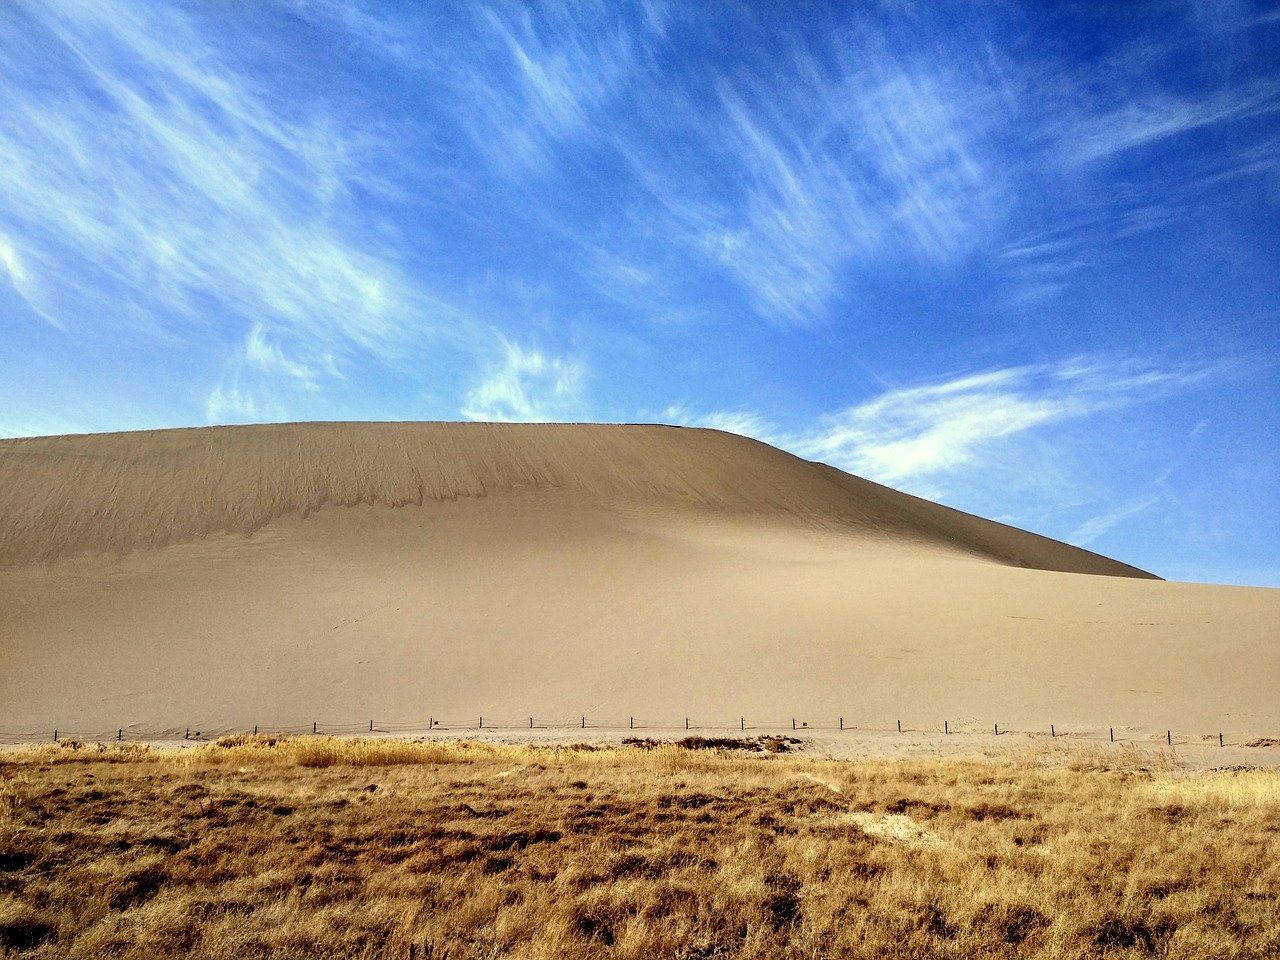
{"x":314,"y":847}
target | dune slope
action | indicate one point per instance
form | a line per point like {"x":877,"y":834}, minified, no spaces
{"x":223,"y":577}
{"x":113,"y":493}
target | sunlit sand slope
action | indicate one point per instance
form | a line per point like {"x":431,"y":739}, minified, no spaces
{"x":276,"y":575}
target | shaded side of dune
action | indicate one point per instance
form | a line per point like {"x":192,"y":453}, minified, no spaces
{"x":115,"y":493}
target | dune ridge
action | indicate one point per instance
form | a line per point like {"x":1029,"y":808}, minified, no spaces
{"x":115,"y":493}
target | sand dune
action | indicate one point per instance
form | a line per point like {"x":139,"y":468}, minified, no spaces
{"x":118,"y":492}
{"x":222,"y":577}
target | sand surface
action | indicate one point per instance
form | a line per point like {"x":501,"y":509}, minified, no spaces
{"x":340,"y":573}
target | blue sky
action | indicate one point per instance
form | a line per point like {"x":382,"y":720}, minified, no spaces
{"x":1023,"y":259}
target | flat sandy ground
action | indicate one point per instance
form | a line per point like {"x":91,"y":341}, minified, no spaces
{"x":338,"y":574}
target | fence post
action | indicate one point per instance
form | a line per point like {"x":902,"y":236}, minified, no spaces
{"x":1219,"y":739}
{"x":482,"y":723}
{"x":1052,"y":732}
{"x":55,"y":736}
{"x":255,"y":729}
{"x":899,"y":726}
{"x":371,"y":726}
{"x":842,"y":723}
{"x":120,"y":734}
{"x":187,"y":735}
{"x":946,"y":726}
{"x":584,"y":723}
{"x":997,"y":726}
{"x":1113,"y":734}
{"x":631,"y":723}
{"x":1168,"y":737}
{"x":531,"y":723}
{"x":315,"y":727}
{"x":793,"y":723}
{"x":686,"y":723}
{"x":742,"y":723}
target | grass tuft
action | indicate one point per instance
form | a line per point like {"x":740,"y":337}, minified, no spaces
{"x":23,"y":928}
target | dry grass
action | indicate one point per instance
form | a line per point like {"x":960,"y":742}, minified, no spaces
{"x":1224,"y":791}
{"x":314,"y":847}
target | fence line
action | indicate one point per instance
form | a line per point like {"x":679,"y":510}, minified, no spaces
{"x":687,"y":725}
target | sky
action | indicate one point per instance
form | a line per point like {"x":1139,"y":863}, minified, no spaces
{"x":1019,"y":258}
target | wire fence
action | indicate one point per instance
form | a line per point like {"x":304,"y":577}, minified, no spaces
{"x":630,"y":726}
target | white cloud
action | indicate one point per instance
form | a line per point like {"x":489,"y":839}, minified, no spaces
{"x":932,"y":439}
{"x":1095,"y":527}
{"x":230,"y":402}
{"x":9,"y":259}
{"x":918,"y":432}
{"x":527,"y":386}
{"x":743,"y":422}
{"x":914,"y":437}
{"x":267,"y":356}
{"x":23,"y":280}
{"x":261,"y":381}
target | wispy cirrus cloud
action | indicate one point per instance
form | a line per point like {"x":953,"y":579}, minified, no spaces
{"x":22,"y":280}
{"x":231,"y":402}
{"x":1095,"y":527}
{"x":1092,"y":130}
{"x":905,"y":139}
{"x":533,"y":78}
{"x":854,"y":151}
{"x":527,"y":386}
{"x":872,"y":147}
{"x":1160,"y":116}
{"x":155,"y":185}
